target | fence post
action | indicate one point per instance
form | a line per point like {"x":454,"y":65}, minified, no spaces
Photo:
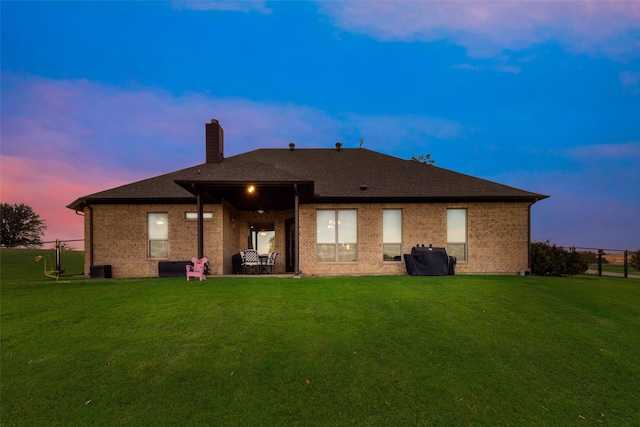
{"x":600,"y":262}
{"x":57,"y":255}
{"x":626,"y":264}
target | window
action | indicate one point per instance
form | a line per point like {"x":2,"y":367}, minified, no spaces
{"x":158,"y":232}
{"x":457,"y":233}
{"x":392,"y":235}
{"x":262,"y":238}
{"x":194,"y":215}
{"x":337,"y":239}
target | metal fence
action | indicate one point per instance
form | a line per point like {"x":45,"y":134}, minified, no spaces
{"x":610,"y":262}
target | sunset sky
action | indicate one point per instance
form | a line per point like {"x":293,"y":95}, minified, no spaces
{"x":542,"y":96}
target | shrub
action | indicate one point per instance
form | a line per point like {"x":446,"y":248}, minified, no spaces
{"x":551,"y":260}
{"x":634,"y":260}
{"x":591,"y":257}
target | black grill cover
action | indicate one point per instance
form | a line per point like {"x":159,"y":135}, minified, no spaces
{"x":429,"y":261}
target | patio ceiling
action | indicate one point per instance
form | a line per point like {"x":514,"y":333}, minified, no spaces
{"x":268,"y":196}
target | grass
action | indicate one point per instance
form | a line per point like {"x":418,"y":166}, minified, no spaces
{"x":21,"y":264}
{"x":457,"y":350}
{"x":612,"y":268}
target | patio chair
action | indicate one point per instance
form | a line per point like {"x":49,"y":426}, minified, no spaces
{"x":250,"y":261}
{"x":198,"y":269}
{"x":271,"y":262}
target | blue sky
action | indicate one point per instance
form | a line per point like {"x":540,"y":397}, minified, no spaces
{"x":543,"y":96}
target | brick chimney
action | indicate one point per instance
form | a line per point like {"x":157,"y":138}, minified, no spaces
{"x":214,"y":142}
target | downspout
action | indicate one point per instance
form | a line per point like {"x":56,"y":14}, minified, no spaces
{"x":529,"y":236}
{"x":85,"y":205}
{"x":296,"y":240}
{"x":200,"y":224}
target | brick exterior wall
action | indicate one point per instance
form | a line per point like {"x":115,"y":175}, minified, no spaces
{"x":120,"y":237}
{"x":497,"y":237}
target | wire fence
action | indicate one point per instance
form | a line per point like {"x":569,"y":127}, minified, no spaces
{"x":67,"y":245}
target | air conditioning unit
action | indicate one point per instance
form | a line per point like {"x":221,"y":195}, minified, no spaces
{"x":100,"y":271}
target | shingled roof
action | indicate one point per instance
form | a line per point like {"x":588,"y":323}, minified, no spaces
{"x":336,"y":175}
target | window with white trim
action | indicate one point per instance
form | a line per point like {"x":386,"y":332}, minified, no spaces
{"x":457,"y":233}
{"x":158,"y":234}
{"x":392,"y":234}
{"x":337,"y":235}
{"x":194,"y":215}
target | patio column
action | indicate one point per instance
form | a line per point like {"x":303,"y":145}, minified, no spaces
{"x":296,"y":240}
{"x":200,"y":224}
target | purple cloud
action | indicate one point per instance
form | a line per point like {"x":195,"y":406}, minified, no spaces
{"x":487,"y":28}
{"x":66,"y":139}
{"x":144,"y":130}
{"x":151,"y":131}
{"x":69,"y":138}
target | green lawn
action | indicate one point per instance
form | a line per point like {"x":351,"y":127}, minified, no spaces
{"x":610,"y":268}
{"x":21,"y":264}
{"x":253,"y":351}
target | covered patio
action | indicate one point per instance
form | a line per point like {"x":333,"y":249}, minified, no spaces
{"x":253,"y":211}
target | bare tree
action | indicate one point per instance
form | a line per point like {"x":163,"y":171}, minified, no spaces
{"x":423,"y":158}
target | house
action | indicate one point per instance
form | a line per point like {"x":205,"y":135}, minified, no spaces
{"x":334,"y":211}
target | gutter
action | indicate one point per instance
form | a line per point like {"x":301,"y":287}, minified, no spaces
{"x":529,"y":237}
{"x":85,"y":205}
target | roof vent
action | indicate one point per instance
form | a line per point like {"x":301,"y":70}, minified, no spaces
{"x":338,"y":146}
{"x":364,"y":187}
{"x":292,"y":146}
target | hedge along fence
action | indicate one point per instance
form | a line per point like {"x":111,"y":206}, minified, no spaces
{"x":552,"y":260}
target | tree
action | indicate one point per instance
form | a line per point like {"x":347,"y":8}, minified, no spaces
{"x":423,"y":158}
{"x":634,"y":260}
{"x":21,"y":226}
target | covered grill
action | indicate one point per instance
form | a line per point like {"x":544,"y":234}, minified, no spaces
{"x":429,"y":261}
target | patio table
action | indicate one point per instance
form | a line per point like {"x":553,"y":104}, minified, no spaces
{"x":263,"y":261}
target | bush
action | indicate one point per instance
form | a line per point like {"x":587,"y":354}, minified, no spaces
{"x":591,"y":257}
{"x":551,"y":260}
{"x":634,"y":260}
